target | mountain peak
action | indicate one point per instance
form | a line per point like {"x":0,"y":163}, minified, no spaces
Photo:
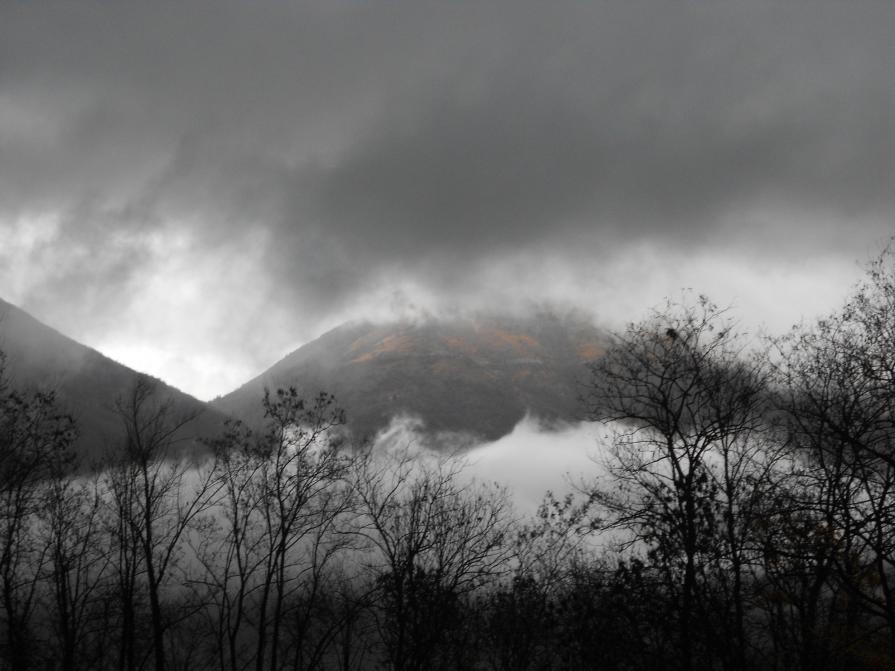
{"x":477,"y":375}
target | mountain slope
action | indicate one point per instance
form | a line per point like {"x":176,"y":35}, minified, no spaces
{"x":87,"y":384}
{"x":477,"y":377}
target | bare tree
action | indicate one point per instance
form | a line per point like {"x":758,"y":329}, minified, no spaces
{"x":687,"y":407}
{"x":431,"y":540}
{"x":154,"y":503}
{"x":78,"y":564}
{"x":519,"y":617}
{"x":34,"y":438}
{"x":838,"y":381}
{"x":284,"y":498}
{"x":229,"y":551}
{"x":301,"y":496}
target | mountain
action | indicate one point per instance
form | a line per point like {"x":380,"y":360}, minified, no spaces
{"x":470,"y":378}
{"x":474,"y":377}
{"x":87,"y":384}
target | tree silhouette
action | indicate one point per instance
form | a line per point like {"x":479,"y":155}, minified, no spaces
{"x":153,"y":507}
{"x":688,"y":409}
{"x":35,"y":439}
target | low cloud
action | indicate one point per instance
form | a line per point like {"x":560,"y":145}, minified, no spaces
{"x":529,"y":461}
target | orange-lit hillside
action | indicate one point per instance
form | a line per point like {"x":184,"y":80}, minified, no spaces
{"x":472,"y":376}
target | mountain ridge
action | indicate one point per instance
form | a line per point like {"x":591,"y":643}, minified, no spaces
{"x":87,"y":383}
{"x":468,"y":378}
{"x":477,"y":375}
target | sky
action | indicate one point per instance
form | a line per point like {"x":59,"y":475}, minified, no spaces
{"x":197,"y":188}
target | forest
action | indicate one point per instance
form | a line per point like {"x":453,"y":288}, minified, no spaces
{"x":741,"y":516}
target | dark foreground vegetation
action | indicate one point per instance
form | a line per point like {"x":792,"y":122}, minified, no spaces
{"x":744,"y":518}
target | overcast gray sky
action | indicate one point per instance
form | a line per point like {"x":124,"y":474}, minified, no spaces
{"x":196,"y":188}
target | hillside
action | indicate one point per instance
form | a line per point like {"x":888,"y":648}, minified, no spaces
{"x":87,"y":383}
{"x":476,"y":377}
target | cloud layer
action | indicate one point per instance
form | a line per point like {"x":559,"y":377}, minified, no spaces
{"x":243,"y":175}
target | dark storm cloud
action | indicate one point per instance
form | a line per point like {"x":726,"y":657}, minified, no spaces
{"x":428,"y":139}
{"x":628,"y":124}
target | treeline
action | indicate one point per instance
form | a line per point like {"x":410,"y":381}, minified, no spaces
{"x":742,"y":516}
